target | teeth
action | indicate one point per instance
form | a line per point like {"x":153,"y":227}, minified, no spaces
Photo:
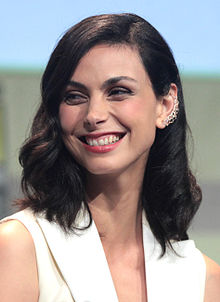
{"x":95,"y":143}
{"x":101,"y":142}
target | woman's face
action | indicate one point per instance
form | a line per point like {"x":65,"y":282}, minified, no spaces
{"x":109,"y":112}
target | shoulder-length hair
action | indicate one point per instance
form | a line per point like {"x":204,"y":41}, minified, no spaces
{"x":54,"y":183}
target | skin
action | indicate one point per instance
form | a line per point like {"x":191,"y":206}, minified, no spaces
{"x":212,"y":289}
{"x":91,"y":105}
{"x":114,"y":179}
{"x":18,"y":277}
{"x":119,"y":107}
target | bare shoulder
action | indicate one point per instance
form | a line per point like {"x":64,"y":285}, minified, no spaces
{"x":212,"y":289}
{"x":18,"y":278}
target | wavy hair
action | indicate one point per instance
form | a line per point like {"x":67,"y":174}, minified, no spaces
{"x":54,"y":183}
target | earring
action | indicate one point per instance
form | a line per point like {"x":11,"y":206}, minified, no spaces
{"x":173,"y":115}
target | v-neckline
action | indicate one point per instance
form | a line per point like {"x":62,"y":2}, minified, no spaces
{"x":145,"y":231}
{"x":83,"y":264}
{"x":89,"y":266}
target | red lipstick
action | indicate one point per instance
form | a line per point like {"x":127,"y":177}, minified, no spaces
{"x":102,"y":149}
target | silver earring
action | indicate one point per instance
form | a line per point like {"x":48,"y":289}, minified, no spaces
{"x":173,"y":115}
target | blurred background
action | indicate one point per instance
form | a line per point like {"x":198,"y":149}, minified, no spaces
{"x":29,"y":31}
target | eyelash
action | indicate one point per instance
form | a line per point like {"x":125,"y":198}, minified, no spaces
{"x":119,"y":92}
{"x":76,"y":98}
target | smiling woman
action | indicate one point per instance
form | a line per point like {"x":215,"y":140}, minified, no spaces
{"x":101,"y":108}
{"x":109,"y":194}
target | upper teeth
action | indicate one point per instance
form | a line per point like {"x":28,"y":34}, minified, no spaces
{"x":102,"y":141}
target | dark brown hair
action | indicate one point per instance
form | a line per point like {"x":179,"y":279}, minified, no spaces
{"x":53,"y":181}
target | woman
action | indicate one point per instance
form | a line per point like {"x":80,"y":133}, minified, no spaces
{"x":109,"y":195}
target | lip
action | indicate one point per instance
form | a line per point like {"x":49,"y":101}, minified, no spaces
{"x":96,"y":135}
{"x":104,"y":148}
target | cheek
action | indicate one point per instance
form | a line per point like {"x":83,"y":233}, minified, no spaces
{"x":69,"y":117}
{"x":138,"y":113}
{"x":140,"y":118}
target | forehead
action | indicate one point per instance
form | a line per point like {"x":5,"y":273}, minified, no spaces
{"x":110,"y":60}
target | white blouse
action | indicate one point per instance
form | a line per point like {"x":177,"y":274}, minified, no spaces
{"x":73,"y":268}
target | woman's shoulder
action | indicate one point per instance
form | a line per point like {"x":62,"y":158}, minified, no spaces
{"x":212,"y":289}
{"x":14,"y":235}
{"x":13,"y":232}
{"x":17,"y":263}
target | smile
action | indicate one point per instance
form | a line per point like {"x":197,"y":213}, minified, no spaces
{"x":108,"y":140}
{"x":101,"y":143}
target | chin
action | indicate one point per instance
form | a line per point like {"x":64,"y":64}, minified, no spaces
{"x":104,"y":166}
{"x":107,"y":168}
{"x":101,"y":170}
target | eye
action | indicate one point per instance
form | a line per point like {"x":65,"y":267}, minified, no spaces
{"x":119,"y":93}
{"x":74,"y":98}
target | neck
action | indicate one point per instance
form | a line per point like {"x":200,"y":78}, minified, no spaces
{"x":114,"y":201}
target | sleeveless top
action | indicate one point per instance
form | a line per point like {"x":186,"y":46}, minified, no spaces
{"x":73,"y":267}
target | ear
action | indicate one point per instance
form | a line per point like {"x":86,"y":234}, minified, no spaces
{"x":166,"y":106}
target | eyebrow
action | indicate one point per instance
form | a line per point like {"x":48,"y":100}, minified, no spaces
{"x":107,"y":83}
{"x":77,"y":85}
{"x":115,"y":80}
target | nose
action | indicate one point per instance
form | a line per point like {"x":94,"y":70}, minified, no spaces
{"x":97,"y":113}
